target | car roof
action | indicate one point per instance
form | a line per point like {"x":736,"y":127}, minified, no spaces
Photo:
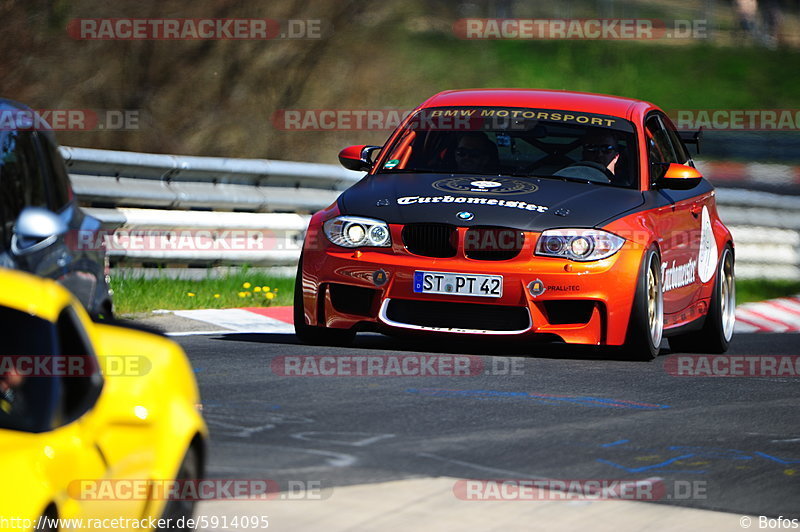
{"x":33,"y":295}
{"x":10,"y":105}
{"x":541,"y":99}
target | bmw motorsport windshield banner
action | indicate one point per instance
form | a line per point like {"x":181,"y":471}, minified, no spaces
{"x":515,"y":118}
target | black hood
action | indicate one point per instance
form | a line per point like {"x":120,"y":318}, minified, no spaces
{"x":528,"y":204}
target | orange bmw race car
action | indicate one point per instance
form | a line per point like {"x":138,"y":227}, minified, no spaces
{"x":550,"y":215}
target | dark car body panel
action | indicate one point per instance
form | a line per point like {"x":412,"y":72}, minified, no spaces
{"x":553,"y":203}
{"x":82,"y":269}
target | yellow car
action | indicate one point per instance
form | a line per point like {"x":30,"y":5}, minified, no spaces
{"x":87,"y":409}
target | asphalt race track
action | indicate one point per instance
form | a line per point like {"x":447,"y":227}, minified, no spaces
{"x":730,"y":444}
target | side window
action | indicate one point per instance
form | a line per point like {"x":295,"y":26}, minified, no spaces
{"x":29,"y":398}
{"x":58,"y":188}
{"x":681,"y":152}
{"x":81,"y":385}
{"x":6,"y":223}
{"x":21,"y":178}
{"x":12,"y":181}
{"x":659,"y":147}
{"x":33,"y":186}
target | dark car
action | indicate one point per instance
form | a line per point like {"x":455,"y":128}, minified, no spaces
{"x":39,"y":215}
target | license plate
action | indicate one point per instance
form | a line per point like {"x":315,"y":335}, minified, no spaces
{"x":459,"y":284}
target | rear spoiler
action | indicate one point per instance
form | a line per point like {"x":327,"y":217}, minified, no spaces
{"x":692,"y":137}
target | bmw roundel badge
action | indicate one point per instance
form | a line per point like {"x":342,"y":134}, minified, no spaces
{"x":465,"y":215}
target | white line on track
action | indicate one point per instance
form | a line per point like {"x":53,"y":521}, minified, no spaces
{"x":238,"y":320}
{"x":777,"y":315}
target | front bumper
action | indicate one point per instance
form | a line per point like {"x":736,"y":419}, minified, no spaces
{"x":582,"y":303}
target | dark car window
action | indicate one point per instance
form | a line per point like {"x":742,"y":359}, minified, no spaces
{"x":34,"y":189}
{"x":679,"y":148}
{"x":58,"y":187}
{"x":21,"y":178}
{"x":49,"y":375}
{"x":6,"y":223}
{"x":659,"y":147}
{"x":81,"y":387}
{"x":29,"y":400}
{"x":522,"y":142}
{"x":12,"y":180}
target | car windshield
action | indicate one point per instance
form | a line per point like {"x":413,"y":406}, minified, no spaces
{"x":521,"y":142}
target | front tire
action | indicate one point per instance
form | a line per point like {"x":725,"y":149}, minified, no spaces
{"x":717,"y":331}
{"x":646,"y":325}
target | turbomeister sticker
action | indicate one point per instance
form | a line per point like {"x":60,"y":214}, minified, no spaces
{"x":707,"y":260}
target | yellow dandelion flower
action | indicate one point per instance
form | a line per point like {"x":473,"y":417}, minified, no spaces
{"x":190,"y":294}
{"x":242,"y":294}
{"x":265,"y":288}
{"x":247,"y":294}
{"x":269,"y":295}
{"x":246,"y":285}
{"x":216,"y":296}
{"x":257,"y":289}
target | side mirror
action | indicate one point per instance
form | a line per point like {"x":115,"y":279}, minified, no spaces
{"x":358,"y":158}
{"x":679,"y":177}
{"x":35,"y":229}
{"x":692,"y":137}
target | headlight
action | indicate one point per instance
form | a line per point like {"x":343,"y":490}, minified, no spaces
{"x":354,"y":232}
{"x":578,"y":244}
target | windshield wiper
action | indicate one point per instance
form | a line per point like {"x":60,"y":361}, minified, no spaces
{"x":512,"y":174}
{"x":409,"y":171}
{"x":576,"y":179}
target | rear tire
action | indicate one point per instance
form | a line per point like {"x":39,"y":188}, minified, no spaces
{"x":646,"y":325}
{"x":717,"y":331}
{"x":312,"y":334}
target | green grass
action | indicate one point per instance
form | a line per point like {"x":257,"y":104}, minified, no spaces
{"x":690,"y":76}
{"x":136,"y":294}
{"x":761,"y":289}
